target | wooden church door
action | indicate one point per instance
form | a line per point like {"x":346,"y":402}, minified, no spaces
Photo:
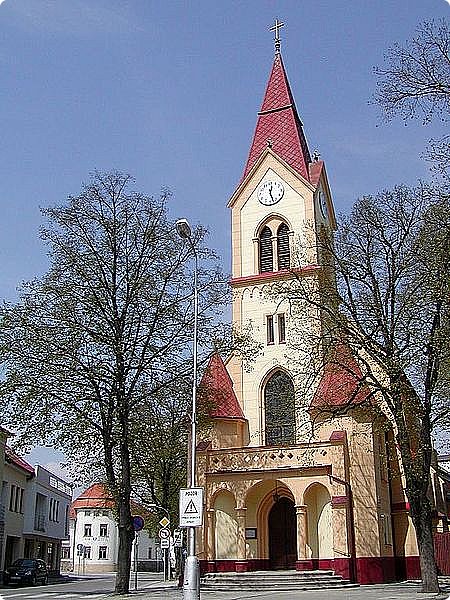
{"x":282,"y":535}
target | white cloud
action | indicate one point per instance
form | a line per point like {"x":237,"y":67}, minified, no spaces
{"x":56,"y":469}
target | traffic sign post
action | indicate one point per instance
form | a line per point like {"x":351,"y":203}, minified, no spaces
{"x":136,"y":544}
{"x":191,"y":507}
{"x":164,"y":536}
{"x":80,"y":553}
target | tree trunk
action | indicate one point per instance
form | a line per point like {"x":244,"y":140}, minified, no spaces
{"x":125,"y":520}
{"x":421,"y":516}
{"x":126,"y":537}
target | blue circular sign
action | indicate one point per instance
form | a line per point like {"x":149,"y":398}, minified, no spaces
{"x":138,"y":523}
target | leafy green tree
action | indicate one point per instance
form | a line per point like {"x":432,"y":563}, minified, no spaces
{"x":93,"y":350}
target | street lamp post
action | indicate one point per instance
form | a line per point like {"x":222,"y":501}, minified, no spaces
{"x":191,"y":582}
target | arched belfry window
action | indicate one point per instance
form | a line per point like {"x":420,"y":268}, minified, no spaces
{"x":265,"y":251}
{"x":279,"y":408}
{"x":283,"y":254}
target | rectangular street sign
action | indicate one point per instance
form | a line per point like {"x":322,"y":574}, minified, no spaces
{"x":191,"y":507}
{"x":165,"y":543}
{"x":178,"y":538}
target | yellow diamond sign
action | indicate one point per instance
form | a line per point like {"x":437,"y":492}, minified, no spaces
{"x":164,"y":522}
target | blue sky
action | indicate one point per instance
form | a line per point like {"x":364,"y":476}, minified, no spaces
{"x":169,"y":90}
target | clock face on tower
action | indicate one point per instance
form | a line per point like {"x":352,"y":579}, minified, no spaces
{"x":270,"y":192}
{"x":323,"y":203}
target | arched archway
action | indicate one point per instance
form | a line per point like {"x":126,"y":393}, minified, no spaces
{"x":319,"y":524}
{"x":226,"y":526}
{"x":279,"y":410}
{"x":282,"y":526}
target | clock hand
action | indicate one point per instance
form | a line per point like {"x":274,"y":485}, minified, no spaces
{"x":270,"y":191}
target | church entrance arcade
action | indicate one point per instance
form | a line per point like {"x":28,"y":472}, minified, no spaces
{"x":265,"y":527}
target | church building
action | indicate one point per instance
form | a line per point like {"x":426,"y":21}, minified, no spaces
{"x":279,"y":493}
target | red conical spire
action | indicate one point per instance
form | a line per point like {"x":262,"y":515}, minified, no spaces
{"x":217,"y":387}
{"x":279,"y":126}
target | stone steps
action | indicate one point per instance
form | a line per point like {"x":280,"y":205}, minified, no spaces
{"x":277,"y":580}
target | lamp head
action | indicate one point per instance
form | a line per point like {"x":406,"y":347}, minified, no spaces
{"x":183,"y":228}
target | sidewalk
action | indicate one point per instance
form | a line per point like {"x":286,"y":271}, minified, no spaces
{"x":392,"y":591}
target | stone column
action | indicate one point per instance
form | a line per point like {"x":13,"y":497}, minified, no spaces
{"x":210,"y":541}
{"x":241,"y":564}
{"x":256,"y":255}
{"x":301,"y":531}
{"x":275,"y":252}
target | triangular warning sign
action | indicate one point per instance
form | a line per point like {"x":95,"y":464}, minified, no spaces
{"x":190,"y":509}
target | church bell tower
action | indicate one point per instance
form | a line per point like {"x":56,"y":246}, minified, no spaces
{"x":277,"y":210}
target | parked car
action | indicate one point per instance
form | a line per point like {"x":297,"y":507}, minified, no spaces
{"x":26,"y":570}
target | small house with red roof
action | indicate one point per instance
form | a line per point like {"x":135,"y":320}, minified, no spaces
{"x":93,"y":541}
{"x":296,"y":470}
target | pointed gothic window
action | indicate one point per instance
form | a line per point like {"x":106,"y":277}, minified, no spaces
{"x":283,"y":254}
{"x":279,"y":409}
{"x":265,"y":251}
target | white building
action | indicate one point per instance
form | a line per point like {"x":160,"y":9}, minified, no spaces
{"x":93,"y":536}
{"x":35,"y":504}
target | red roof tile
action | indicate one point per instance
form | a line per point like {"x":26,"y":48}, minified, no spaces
{"x":16,"y":460}
{"x":342,"y":383}
{"x":315,"y":170}
{"x":278,"y":121}
{"x":217,"y":386}
{"x":96,"y":496}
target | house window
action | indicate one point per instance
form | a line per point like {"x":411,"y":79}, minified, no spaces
{"x":103,"y":530}
{"x":12,"y":498}
{"x":102,"y":552}
{"x":53,"y":511}
{"x":279,"y":408}
{"x":66,"y":521}
{"x":87,"y":530}
{"x":265,"y":251}
{"x":283,"y":254}
{"x":269,"y":327}
{"x":150,"y":553}
{"x":16,"y":499}
{"x":65,"y":553}
{"x":281,"y":329}
{"x":87,"y":552}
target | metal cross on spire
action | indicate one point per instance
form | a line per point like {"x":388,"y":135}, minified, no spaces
{"x":276,"y":28}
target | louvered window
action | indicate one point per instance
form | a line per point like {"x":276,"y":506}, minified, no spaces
{"x":283,"y":254}
{"x":265,"y":251}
